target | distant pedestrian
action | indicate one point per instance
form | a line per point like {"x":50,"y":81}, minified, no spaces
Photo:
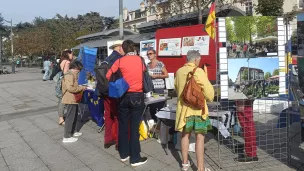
{"x":238,"y":51}
{"x":245,"y":49}
{"x":46,"y":67}
{"x":56,"y":69}
{"x":72,"y":93}
{"x":234,"y":48}
{"x":18,"y":63}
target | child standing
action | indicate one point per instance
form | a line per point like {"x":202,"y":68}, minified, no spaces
{"x":72,"y":94}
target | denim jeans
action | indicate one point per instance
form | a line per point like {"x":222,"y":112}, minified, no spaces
{"x":130,"y":112}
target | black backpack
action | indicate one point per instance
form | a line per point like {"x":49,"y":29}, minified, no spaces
{"x":102,"y":81}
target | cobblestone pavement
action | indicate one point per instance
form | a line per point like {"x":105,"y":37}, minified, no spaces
{"x":30,"y":138}
{"x":25,"y":92}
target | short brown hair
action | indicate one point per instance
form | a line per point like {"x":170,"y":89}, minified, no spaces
{"x":128,"y":46}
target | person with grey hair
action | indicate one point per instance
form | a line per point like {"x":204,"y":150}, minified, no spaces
{"x":189,"y":119}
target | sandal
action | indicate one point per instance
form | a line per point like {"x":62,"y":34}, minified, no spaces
{"x":206,"y":169}
{"x":185,"y":167}
{"x":62,"y":123}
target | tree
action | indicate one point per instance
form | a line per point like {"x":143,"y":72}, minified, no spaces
{"x":50,"y":36}
{"x":266,"y":26}
{"x":168,"y":8}
{"x":244,"y":28}
{"x":2,"y":27}
{"x":276,"y":72}
{"x":267,"y":75}
{"x":230,"y":30}
{"x":270,"y":7}
{"x":245,"y":74}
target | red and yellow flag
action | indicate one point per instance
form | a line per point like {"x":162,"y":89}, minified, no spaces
{"x":209,"y":25}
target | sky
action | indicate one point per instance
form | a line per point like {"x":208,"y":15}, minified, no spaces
{"x":27,"y":10}
{"x":266,"y":64}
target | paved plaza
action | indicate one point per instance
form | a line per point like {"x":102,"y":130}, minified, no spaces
{"x":30,"y":137}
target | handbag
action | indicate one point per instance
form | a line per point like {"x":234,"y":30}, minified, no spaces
{"x":192,"y":94}
{"x":78,"y":97}
{"x":118,"y":86}
{"x":147,"y":80}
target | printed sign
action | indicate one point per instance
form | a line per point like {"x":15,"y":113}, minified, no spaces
{"x":170,"y":47}
{"x":199,"y":43}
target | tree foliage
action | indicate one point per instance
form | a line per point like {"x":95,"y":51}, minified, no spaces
{"x":2,"y":28}
{"x":243,"y":29}
{"x":230,"y":30}
{"x":50,"y":36}
{"x":276,"y":72}
{"x":267,"y":75}
{"x":245,"y":74}
{"x":270,"y":7}
{"x":266,"y":26}
{"x":168,"y":8}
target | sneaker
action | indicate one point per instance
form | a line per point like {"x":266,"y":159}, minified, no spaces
{"x":246,"y":159}
{"x":139,"y":162}
{"x":69,"y":140}
{"x":125,"y":159}
{"x":185,"y":167}
{"x":77,"y":134}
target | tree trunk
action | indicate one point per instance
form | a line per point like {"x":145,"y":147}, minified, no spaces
{"x":200,"y":15}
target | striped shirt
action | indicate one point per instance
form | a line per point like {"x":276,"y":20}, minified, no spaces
{"x":157,"y":70}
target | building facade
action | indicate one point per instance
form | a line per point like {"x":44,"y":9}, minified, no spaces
{"x":254,"y":74}
{"x":148,"y":12}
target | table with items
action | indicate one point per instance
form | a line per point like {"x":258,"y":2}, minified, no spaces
{"x":220,"y":119}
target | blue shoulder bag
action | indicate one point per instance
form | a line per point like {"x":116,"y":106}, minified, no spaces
{"x":118,"y":86}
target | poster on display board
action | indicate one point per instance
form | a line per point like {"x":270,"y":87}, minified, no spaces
{"x":110,"y":43}
{"x":145,"y":46}
{"x":199,"y":43}
{"x":252,"y":36}
{"x":250,"y":65}
{"x":170,"y":47}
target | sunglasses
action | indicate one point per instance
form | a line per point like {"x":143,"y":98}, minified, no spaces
{"x":150,"y":53}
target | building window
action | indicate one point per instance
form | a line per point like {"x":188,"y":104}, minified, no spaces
{"x":249,"y":7}
{"x":137,"y":14}
{"x":152,"y":10}
{"x":301,"y":3}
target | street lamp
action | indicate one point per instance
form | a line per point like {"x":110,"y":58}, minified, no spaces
{"x":121,"y":32}
{"x":248,"y":69}
{"x":12,"y":45}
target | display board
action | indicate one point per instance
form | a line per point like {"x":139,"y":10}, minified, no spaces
{"x":170,"y":47}
{"x":252,"y":65}
{"x":199,"y":43}
{"x":145,"y":46}
{"x":87,"y":56}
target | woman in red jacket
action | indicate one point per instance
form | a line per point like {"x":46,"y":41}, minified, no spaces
{"x":131,"y":105}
